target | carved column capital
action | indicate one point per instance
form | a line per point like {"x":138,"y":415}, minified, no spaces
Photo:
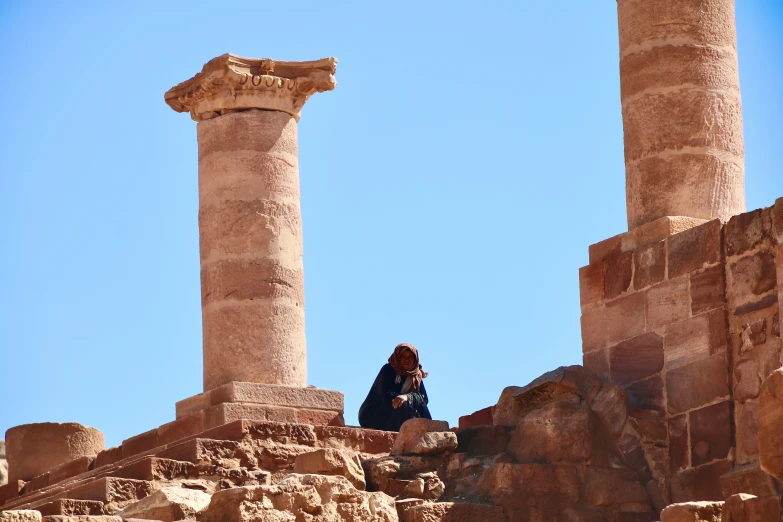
{"x":231,"y":83}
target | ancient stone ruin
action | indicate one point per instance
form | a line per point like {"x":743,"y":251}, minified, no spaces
{"x":675,"y":415}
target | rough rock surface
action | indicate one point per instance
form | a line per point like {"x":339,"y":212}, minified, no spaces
{"x":3,"y":464}
{"x":770,"y":420}
{"x":693,"y":512}
{"x":316,"y":498}
{"x":749,"y":508}
{"x":329,"y":461}
{"x":424,"y":437}
{"x":20,"y":516}
{"x":168,"y":504}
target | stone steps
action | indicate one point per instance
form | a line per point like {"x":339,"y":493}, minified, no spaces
{"x":187,"y":457}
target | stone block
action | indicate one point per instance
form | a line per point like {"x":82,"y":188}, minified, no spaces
{"x":86,"y":518}
{"x":646,"y":133}
{"x":699,"y":484}
{"x":611,"y":407}
{"x":707,"y":289}
{"x":10,"y":491}
{"x":328,"y":461}
{"x":591,"y":284}
{"x":33,"y":449}
{"x":542,"y":486}
{"x":616,"y":321}
{"x":770,"y":422}
{"x":693,"y":512}
{"x":264,"y":394}
{"x":678,"y":443}
{"x":650,"y":194}
{"x":695,"y":248}
{"x":646,"y":394}
{"x":649,"y":265}
{"x":248,"y":279}
{"x":710,"y":433}
{"x":23,"y":515}
{"x":650,"y":430}
{"x":632,"y":450}
{"x":155,"y":469}
{"x":613,"y":487}
{"x":201,"y":452}
{"x":636,"y":358}
{"x":138,"y":444}
{"x":181,"y":428}
{"x":748,"y":508}
{"x":168,"y":504}
{"x":571,"y":383}
{"x":424,"y":437}
{"x":597,"y":361}
{"x":452,"y":512}
{"x":669,"y":65}
{"x":557,"y":432}
{"x":667,"y":303}
{"x":696,"y":384}
{"x":618,"y":273}
{"x":695,"y":339}
{"x":365,"y":441}
{"x":116,"y":493}
{"x":108,"y":456}
{"x":482,"y":440}
{"x":747,"y":380}
{"x":70,"y":508}
{"x":745,"y":231}
{"x":749,"y":478}
{"x":748,"y":430}
{"x":754,"y":306}
{"x":477,"y":418}
{"x":752,"y":277}
{"x":606,"y":248}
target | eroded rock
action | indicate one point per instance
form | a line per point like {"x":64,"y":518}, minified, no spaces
{"x":316,"y":498}
{"x":168,"y":504}
{"x":770,"y":422}
{"x":329,"y":461}
{"x":567,"y":383}
{"x":424,"y":437}
{"x":3,"y":465}
{"x":693,"y":512}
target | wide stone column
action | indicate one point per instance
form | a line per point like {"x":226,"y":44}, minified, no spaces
{"x":250,"y":225}
{"x":682,"y":113}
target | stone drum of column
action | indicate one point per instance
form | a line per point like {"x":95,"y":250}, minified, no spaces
{"x":252,"y":279}
{"x":34,"y":449}
{"x":682,"y":113}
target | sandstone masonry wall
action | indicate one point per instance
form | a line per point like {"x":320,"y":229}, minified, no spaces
{"x":689,"y":325}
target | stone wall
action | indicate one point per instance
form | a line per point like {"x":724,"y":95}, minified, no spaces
{"x":688,"y":322}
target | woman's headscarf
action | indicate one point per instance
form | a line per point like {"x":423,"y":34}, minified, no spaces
{"x":414,"y":376}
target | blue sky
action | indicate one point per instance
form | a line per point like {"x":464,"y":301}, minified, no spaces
{"x":451,"y":185}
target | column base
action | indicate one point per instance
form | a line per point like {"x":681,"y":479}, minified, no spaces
{"x":267,"y":402}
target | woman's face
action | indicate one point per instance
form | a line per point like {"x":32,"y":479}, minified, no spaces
{"x":407,"y":359}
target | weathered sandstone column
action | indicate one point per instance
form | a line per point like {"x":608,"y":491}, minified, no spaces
{"x":252,"y":281}
{"x":682,"y":113}
{"x":34,"y":449}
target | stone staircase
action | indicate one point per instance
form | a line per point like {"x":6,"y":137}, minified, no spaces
{"x":223,"y":457}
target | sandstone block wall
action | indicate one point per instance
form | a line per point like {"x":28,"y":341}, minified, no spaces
{"x":667,"y":318}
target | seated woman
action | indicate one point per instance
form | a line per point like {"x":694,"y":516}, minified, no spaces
{"x":398,"y":392}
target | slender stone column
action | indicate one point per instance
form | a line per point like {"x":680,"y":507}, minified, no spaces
{"x":682,"y":113}
{"x":252,"y":281}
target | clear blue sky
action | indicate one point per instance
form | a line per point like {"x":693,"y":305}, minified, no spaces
{"x":451,"y":185}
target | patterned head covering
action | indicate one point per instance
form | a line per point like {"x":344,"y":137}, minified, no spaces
{"x":414,"y":376}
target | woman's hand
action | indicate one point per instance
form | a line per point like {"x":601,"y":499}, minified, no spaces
{"x":399,"y":400}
